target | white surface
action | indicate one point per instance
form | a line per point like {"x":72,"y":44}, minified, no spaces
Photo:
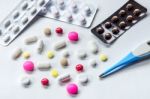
{"x":131,"y":83}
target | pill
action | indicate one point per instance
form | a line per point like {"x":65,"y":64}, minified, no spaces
{"x":47,"y":31}
{"x":100,"y":30}
{"x":122,"y":13}
{"x":59,"y":30}
{"x":115,"y":30}
{"x":55,"y":12}
{"x":103,"y":57}
{"x":50,"y":54}
{"x":129,"y":7}
{"x":83,"y":79}
{"x":69,"y":17}
{"x":72,"y":89}
{"x":16,"y":29}
{"x":26,"y":55}
{"x":16,"y":15}
{"x":28,"y":66}
{"x":61,"y":4}
{"x":7,"y":23}
{"x":16,"y":53}
{"x":24,"y":5}
{"x":82,"y":20}
{"x":92,"y":46}
{"x":79,"y":67}
{"x":64,"y":62}
{"x":33,"y":11}
{"x":108,"y":25}
{"x":0,"y":32}
{"x":60,"y":45}
{"x":92,"y":62}
{"x":25,"y":81}
{"x":87,"y":10}
{"x":40,"y":46}
{"x":45,"y":82}
{"x":24,"y":20}
{"x":65,"y":53}
{"x":122,"y":25}
{"x":6,"y":38}
{"x":137,"y":12}
{"x":73,"y":36}
{"x":108,"y":36}
{"x":44,"y":65}
{"x":74,"y":7}
{"x":81,"y":54}
{"x":64,"y":78}
{"x":54,"y":73}
{"x":30,"y":40}
{"x":41,"y":2}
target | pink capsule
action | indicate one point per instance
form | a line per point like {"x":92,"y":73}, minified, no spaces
{"x":72,"y":89}
{"x":73,"y":36}
{"x":28,"y":66}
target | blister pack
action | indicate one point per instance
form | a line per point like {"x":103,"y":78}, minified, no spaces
{"x":18,"y":19}
{"x":74,"y":12}
{"x":119,"y":22}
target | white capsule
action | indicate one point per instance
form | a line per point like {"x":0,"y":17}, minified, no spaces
{"x":83,"y":79}
{"x":31,"y":39}
{"x":64,"y":78}
{"x":81,"y":54}
{"x":44,"y":65}
{"x":16,"y":53}
{"x":25,"y":81}
{"x":40,"y":46}
{"x":92,"y":46}
{"x":92,"y":62}
{"x":60,"y":45}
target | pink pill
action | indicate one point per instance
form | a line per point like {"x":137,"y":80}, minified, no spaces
{"x":28,"y":66}
{"x":73,"y":36}
{"x":72,"y":88}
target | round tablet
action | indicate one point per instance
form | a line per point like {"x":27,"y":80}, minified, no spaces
{"x":108,"y":25}
{"x":47,"y":31}
{"x":25,"y":81}
{"x":129,"y":7}
{"x":103,"y":57}
{"x":129,"y":18}
{"x":114,"y":19}
{"x":122,"y":25}
{"x":28,"y":66}
{"x":72,"y":89}
{"x":137,"y":12}
{"x":122,"y":13}
{"x":45,"y":82}
{"x":115,"y":30}
{"x":59,"y":30}
{"x":108,"y":36}
{"x":100,"y":30}
{"x":79,"y":67}
{"x":73,"y":36}
{"x":83,"y":79}
{"x":54,"y":73}
{"x":26,"y":55}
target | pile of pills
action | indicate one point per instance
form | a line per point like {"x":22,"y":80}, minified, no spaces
{"x":73,"y":36}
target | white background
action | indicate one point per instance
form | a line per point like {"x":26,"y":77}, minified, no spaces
{"x":131,"y":83}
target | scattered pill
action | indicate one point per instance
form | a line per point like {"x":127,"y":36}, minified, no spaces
{"x":64,"y":78}
{"x":92,"y":62}
{"x":40,"y":46}
{"x":44,"y":65}
{"x":60,"y":45}
{"x":81,"y":54}
{"x":73,"y":36}
{"x":17,"y":53}
{"x":50,"y":54}
{"x":28,"y":66}
{"x":103,"y":57}
{"x":31,"y":39}
{"x":47,"y":31}
{"x":79,"y":67}
{"x":72,"y":89}
{"x":45,"y":82}
{"x":64,"y":62}
{"x":54,"y":73}
{"x":65,"y":53}
{"x":59,"y":30}
{"x":25,"y":81}
{"x":92,"y":46}
{"x":83,"y":79}
{"x":26,"y":55}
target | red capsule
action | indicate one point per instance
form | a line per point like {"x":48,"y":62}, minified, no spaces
{"x":59,"y":30}
{"x":79,"y":67}
{"x":45,"y":82}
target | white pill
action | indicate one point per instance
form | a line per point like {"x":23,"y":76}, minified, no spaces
{"x":92,"y":62}
{"x":17,"y":53}
{"x":81,"y":54}
{"x":40,"y":46}
{"x":87,"y":10}
{"x":7,"y":23}
{"x":60,"y":45}
{"x":41,"y":2}
{"x":16,"y":15}
{"x":82,"y":20}
{"x":6,"y":38}
{"x":24,"y":20}
{"x":65,"y":53}
{"x":16,"y":29}
{"x":64,"y":78}
{"x":83,"y":79}
{"x":33,"y":11}
{"x":61,"y":4}
{"x":69,"y":17}
{"x":24,"y":5}
{"x":25,"y":81}
{"x":44,"y":65}
{"x":74,"y":7}
{"x":31,"y":39}
{"x":92,"y":46}
{"x":55,"y":12}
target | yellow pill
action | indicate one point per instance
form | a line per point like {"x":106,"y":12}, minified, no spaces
{"x":50,"y":54}
{"x":103,"y":57}
{"x":54,"y":73}
{"x":26,"y":55}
